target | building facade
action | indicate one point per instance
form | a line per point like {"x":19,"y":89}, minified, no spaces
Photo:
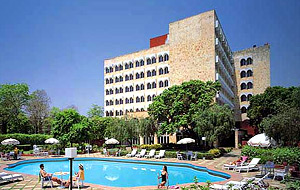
{"x":195,"y":48}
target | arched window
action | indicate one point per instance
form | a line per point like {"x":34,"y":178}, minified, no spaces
{"x":121,"y":78}
{"x":142,"y":86}
{"x":249,"y":61}
{"x":243,"y":86}
{"x":131,"y":100}
{"x":111,"y":80}
{"x":126,"y":101}
{"x":154,"y":85}
{"x":153,"y":72}
{"x":131,"y":88}
{"x":249,"y":73}
{"x":153,"y":60}
{"x":166,"y":57}
{"x":142,"y":62}
{"x":160,"y":58}
{"x":107,"y":92}
{"x":249,"y":85}
{"x":126,"y":66}
{"x":137,"y":110}
{"x":131,"y":77}
{"x":117,"y":79}
{"x":137,"y":87}
{"x":149,"y":98}
{"x":106,"y":70}
{"x":126,"y":77}
{"x":166,"y":70}
{"x":117,"y":102}
{"x":121,"y":112}
{"x":137,"y":99}
{"x":249,"y":97}
{"x":130,"y":65}
{"x":153,"y":96}
{"x":117,"y":91}
{"x":117,"y":113}
{"x":121,"y":90}
{"x":142,"y":99}
{"x":137,"y":76}
{"x":131,"y":110}
{"x":244,"y":109}
{"x":107,"y":103}
{"x":116,"y":68}
{"x":148,"y":73}
{"x":111,"y":102}
{"x":161,"y":71}
{"x":126,"y":111}
{"x":243,"y":98}
{"x":111,"y":113}
{"x":148,"y":61}
{"x":121,"y":101}
{"x":142,"y":75}
{"x":111,"y":91}
{"x":243,"y":62}
{"x":166,"y":83}
{"x":149,"y":86}
{"x":107,"y":113}
{"x":161,"y":84}
{"x":137,"y":64}
{"x":142,"y":109}
{"x":243,"y":74}
{"x":111,"y":69}
{"x":107,"y":81}
{"x":126,"y":89}
{"x":121,"y":67}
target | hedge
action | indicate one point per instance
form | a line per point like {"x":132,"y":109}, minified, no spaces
{"x":278,"y":155}
{"x":26,"y":138}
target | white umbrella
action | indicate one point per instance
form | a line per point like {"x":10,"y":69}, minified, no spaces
{"x":52,"y":141}
{"x":10,"y":142}
{"x":112,"y":141}
{"x":186,"y":141}
{"x":261,"y":140}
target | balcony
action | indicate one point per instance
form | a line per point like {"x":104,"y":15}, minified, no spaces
{"x":224,"y":85}
{"x":225,"y":70}
{"x":220,"y":96}
{"x":223,"y":54}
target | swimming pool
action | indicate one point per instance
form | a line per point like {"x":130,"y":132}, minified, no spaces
{"x":122,"y":172}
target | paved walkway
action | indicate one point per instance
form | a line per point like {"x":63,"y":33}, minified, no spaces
{"x":31,"y":182}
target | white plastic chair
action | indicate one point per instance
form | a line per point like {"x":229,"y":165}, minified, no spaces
{"x":281,"y":173}
{"x":179,"y":156}
{"x":151,"y":153}
{"x":194,"y":156}
{"x":141,"y":154}
{"x":132,"y":154}
{"x":45,"y":181}
{"x":161,"y":154}
{"x":78,"y":182}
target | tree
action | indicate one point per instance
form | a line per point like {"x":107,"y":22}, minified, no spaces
{"x":147,"y":126}
{"x":13,"y":98}
{"x":80,"y":132}
{"x":175,"y":107}
{"x":99,"y":126}
{"x":38,"y":109}
{"x":215,"y":123}
{"x":95,"y":111}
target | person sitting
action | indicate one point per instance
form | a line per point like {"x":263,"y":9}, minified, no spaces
{"x":48,"y":176}
{"x":79,"y":175}
{"x":163,"y":176}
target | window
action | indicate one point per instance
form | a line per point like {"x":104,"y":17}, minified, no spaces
{"x":148,"y":73}
{"x":142,"y":86}
{"x":249,"y":85}
{"x":154,"y":85}
{"x":161,"y":71}
{"x":130,"y":65}
{"x":126,"y":111}
{"x":249,"y":97}
{"x":106,"y":70}
{"x":166,"y":83}
{"x":121,"y":112}
{"x":166,"y":57}
{"x":126,"y":66}
{"x":107,"y":81}
{"x":137,"y":64}
{"x":131,"y":100}
{"x":243,"y":98}
{"x":111,"y":102}
{"x":137,"y":75}
{"x":142,"y":109}
{"x":153,"y":60}
{"x":153,"y":72}
{"x":149,"y":86}
{"x":107,"y":92}
{"x":148,"y":61}
{"x":126,"y":89}
{"x":117,"y":113}
{"x":111,"y":80}
{"x":137,"y":87}
{"x":131,"y":88}
{"x":116,"y":68}
{"x":243,"y":86}
{"x":117,"y":102}
{"x":131,"y":77}
{"x":111,"y":69}
{"x":117,"y":91}
{"x":126,"y":77}
{"x":244,"y":109}
{"x":142,"y":62}
{"x":249,"y":61}
{"x":111,"y":91}
{"x":142,"y":99}
{"x":121,"y":67}
{"x":243,"y":74}
{"x":117,"y":79}
{"x":107,"y":113}
{"x":107,"y":103}
{"x":121,"y":101}
{"x":126,"y":101}
{"x":149,"y":98}
{"x":153,"y":96}
{"x":137,"y":110}
{"x":161,"y":84}
{"x":131,"y":110}
{"x":243,"y":62}
{"x":249,"y":73}
{"x":121,"y":90}
{"x":166,"y":70}
{"x":160,"y":58}
{"x":111,"y":113}
{"x":142,"y":74}
{"x":137,"y":100}
{"x":121,"y":78}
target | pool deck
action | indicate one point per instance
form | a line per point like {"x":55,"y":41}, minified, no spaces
{"x":31,"y":182}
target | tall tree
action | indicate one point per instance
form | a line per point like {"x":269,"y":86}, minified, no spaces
{"x":95,"y":110}
{"x":147,"y":126}
{"x":175,"y":107}
{"x":38,"y":109}
{"x":13,"y":98}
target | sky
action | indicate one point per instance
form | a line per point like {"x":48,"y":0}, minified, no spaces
{"x":60,"y":46}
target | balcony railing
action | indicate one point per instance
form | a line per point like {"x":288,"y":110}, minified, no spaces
{"x":220,"y":96}
{"x":224,"y":85}
{"x":220,"y":47}
{"x":229,"y":77}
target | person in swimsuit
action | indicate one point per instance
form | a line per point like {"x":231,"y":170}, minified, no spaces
{"x":163,"y":176}
{"x":48,"y":176}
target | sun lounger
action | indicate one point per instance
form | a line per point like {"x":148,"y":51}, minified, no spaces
{"x":141,"y":154}
{"x":161,"y":154}
{"x":251,"y":166}
{"x":6,"y":177}
{"x":132,"y":154}
{"x":151,"y":153}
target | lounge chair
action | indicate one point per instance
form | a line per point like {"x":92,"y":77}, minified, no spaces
{"x":232,"y":166}
{"x":251,"y":166}
{"x":282,"y":173}
{"x":6,"y":177}
{"x":132,"y":154}
{"x":151,"y":153}
{"x":141,"y":154}
{"x":105,"y":152}
{"x":179,"y":156}
{"x":161,"y":154}
{"x":45,"y":180}
{"x":3,"y":157}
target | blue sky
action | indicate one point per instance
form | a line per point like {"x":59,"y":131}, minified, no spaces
{"x":60,"y":46}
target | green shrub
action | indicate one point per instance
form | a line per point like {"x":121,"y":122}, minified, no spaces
{"x":216,"y":152}
{"x":38,"y":139}
{"x":150,"y":146}
{"x":278,"y":155}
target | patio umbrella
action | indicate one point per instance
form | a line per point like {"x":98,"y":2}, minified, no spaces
{"x":10,"y":142}
{"x":112,"y":141}
{"x":52,"y":141}
{"x":261,"y":140}
{"x":186,"y":141}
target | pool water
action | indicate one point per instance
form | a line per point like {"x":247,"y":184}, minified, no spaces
{"x":122,"y":173}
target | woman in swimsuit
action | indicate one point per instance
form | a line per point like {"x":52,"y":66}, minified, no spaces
{"x":163,"y":176}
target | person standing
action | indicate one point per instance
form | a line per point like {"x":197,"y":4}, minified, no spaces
{"x":16,"y":151}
